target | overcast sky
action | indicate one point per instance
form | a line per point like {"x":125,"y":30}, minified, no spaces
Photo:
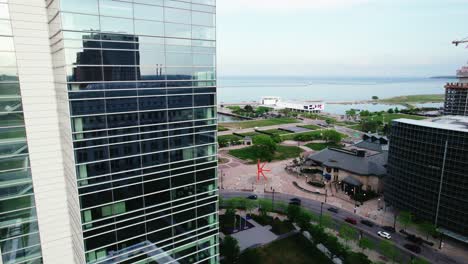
{"x":341,"y":37}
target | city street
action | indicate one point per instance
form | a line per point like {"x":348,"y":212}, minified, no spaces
{"x":431,"y":254}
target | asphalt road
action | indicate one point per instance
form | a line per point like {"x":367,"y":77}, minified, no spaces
{"x":427,"y":252}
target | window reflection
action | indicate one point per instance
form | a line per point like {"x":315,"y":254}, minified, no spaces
{"x":80,"y":22}
{"x":82,"y":6}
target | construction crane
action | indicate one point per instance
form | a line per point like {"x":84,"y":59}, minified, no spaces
{"x":456,"y":42}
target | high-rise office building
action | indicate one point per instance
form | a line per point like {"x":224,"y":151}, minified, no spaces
{"x":456,"y":95}
{"x":108,"y":131}
{"x":428,"y":172}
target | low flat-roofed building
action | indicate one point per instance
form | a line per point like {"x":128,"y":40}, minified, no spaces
{"x":352,"y":169}
{"x":300,"y":106}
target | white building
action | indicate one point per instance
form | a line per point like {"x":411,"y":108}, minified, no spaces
{"x":301,"y":106}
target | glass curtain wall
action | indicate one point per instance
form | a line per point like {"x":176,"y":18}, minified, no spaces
{"x":142,"y":91}
{"x":19,"y":232}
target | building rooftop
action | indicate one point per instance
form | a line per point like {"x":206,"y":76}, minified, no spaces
{"x":350,"y":161}
{"x":453,"y":123}
{"x":456,"y":86}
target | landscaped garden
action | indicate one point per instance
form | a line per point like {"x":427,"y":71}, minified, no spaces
{"x":253,"y":153}
{"x":227,"y":140}
{"x":322,"y":146}
{"x":294,"y":249}
{"x":274,"y":132}
{"x":311,"y":127}
{"x":328,"y":135}
{"x":221,"y":128}
{"x":260,"y":123}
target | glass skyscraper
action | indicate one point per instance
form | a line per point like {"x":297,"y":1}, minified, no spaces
{"x":126,"y":167}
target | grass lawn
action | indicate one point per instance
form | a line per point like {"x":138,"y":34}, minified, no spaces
{"x":282,"y":153}
{"x":274,"y":132}
{"x":321,"y":146}
{"x":311,"y":127}
{"x":221,"y":129}
{"x":249,"y":134}
{"x":421,"y":98}
{"x":294,"y":249}
{"x":387,"y":118}
{"x":261,"y":123}
{"x":229,"y":138}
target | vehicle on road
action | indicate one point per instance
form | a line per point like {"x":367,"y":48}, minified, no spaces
{"x":367,"y":223}
{"x":413,"y":248}
{"x":295,"y":201}
{"x":252,"y":197}
{"x":333,"y":209}
{"x":389,"y":229}
{"x":351,"y":220}
{"x":384,"y":234}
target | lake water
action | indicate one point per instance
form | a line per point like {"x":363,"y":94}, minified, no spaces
{"x":248,"y":89}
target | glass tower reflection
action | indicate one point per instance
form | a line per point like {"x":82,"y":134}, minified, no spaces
{"x":142,"y":91}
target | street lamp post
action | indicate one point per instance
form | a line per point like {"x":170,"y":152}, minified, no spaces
{"x":326,"y":193}
{"x":321,"y":210}
{"x":272,"y":198}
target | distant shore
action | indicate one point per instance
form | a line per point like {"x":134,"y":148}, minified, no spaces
{"x":399,"y":100}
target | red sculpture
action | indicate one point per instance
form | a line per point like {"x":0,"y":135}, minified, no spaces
{"x":261,"y":170}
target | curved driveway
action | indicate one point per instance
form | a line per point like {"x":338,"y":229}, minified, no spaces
{"x":429,"y":253}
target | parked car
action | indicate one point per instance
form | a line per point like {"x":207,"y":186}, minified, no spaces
{"x":384,"y":234}
{"x":413,"y":248}
{"x":367,"y":223}
{"x":351,"y":220}
{"x":252,"y":197}
{"x":295,"y":201}
{"x":389,"y":229}
{"x":333,"y":209}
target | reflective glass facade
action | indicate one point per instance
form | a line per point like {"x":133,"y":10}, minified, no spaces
{"x":141,"y":85}
{"x":19,"y":232}
{"x":418,"y":161}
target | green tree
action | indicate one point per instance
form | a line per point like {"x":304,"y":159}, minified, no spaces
{"x":303,"y":219}
{"x":250,"y":205}
{"x":261,"y":110}
{"x":390,"y":111}
{"x":405,"y":218}
{"x":370,"y":125}
{"x":389,"y":250}
{"x":331,"y":136}
{"x":351,"y":113}
{"x":365,"y":243}
{"x":397,"y":110}
{"x":293,"y":212}
{"x":375,"y":97}
{"x":230,"y":218}
{"x":248,"y":109}
{"x":347,"y":233}
{"x":427,"y":228}
{"x":264,"y":147}
{"x":230,"y":249}
{"x":326,"y":221}
{"x":265,"y":206}
{"x":364,"y":113}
